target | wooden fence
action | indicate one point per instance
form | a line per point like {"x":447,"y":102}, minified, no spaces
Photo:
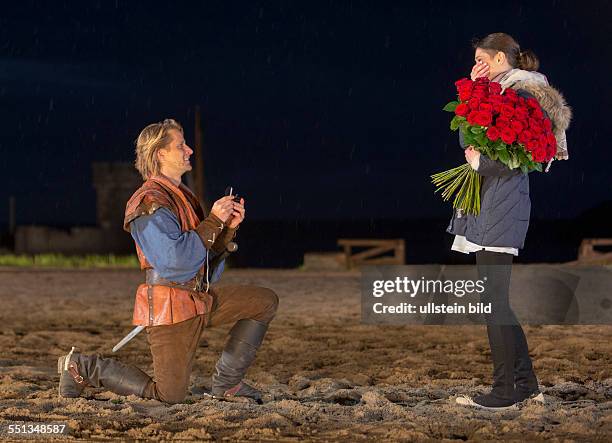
{"x":373,"y":254}
{"x":588,"y":254}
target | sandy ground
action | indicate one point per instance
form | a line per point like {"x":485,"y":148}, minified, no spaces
{"x":327,"y":377}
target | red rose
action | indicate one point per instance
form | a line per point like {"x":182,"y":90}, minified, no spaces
{"x":461,"y":109}
{"x":474,"y":103}
{"x":534,"y":125}
{"x":521,"y":112}
{"x":463,"y":81}
{"x":508,"y":135}
{"x":496,"y":102}
{"x":471,"y":117}
{"x":494,"y":88}
{"x":535,"y":131}
{"x":524,"y":137}
{"x":482,"y":80}
{"x":532,"y":103}
{"x":485,"y":107}
{"x":493,"y":133}
{"x":507,"y":111}
{"x":543,"y":141}
{"x":479,"y":92}
{"x":465,"y":94}
{"x":547,"y":124}
{"x":539,"y":154}
{"x":509,"y":92}
{"x":516,"y":126}
{"x":502,"y":122}
{"x":510,"y":95}
{"x":537,"y":113}
{"x":483,"y":118}
{"x":552,"y":140}
{"x":531,"y":144}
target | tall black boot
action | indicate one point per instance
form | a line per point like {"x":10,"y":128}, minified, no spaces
{"x":77,"y":371}
{"x":526,"y":383}
{"x":239,"y":352}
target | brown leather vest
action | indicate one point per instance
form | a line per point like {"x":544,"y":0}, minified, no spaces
{"x":157,"y":304}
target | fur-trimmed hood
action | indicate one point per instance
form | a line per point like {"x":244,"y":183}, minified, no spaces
{"x":550,"y":99}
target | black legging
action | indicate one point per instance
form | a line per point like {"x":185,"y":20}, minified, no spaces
{"x":509,"y":350}
{"x":496,"y":267}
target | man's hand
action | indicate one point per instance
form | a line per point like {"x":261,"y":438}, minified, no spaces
{"x":223,"y":208}
{"x":237,"y":215}
{"x":480,"y":69}
{"x":472,"y":156}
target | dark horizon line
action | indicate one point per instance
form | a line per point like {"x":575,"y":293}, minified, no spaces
{"x":309,"y":220}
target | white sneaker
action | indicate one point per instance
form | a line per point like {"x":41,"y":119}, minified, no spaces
{"x":538,"y":399}
{"x":465,"y":400}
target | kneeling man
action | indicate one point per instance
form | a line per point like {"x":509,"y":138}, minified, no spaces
{"x":176,"y":245}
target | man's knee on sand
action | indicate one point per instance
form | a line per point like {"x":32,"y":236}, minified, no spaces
{"x":168,"y":388}
{"x":268,"y":303}
{"x":172,"y":395}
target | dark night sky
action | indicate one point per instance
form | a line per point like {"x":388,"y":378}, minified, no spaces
{"x":312,"y":109}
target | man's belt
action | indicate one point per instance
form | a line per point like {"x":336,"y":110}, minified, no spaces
{"x":195,"y":284}
{"x":152,"y":277}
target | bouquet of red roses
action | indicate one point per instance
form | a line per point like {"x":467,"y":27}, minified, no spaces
{"x":503,"y":126}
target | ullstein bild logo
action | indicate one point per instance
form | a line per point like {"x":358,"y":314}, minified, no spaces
{"x":433,"y":308}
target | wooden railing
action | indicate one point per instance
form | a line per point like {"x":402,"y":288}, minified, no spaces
{"x":588,"y":254}
{"x":373,"y":255}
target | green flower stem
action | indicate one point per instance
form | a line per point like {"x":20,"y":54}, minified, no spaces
{"x":464,"y":183}
{"x":449,"y":173}
{"x":445,"y":175}
{"x":458,"y":183}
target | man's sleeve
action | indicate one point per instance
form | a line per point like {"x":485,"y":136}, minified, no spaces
{"x":175,"y":255}
{"x":226,"y":236}
{"x":215,"y":235}
{"x":216,"y":275}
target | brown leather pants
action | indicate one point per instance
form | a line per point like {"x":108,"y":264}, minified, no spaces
{"x":173,"y":347}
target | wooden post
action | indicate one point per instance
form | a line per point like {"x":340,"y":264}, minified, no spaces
{"x":12,"y":217}
{"x":347,"y":254}
{"x":400,"y":251}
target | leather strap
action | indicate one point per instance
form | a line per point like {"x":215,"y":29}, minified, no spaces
{"x":73,"y":370}
{"x":153,"y":278}
{"x":150,"y":303}
{"x":232,"y":391}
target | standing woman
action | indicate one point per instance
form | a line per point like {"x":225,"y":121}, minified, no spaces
{"x":498,"y":232}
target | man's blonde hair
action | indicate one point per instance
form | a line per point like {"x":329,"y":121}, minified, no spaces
{"x":154,"y":137}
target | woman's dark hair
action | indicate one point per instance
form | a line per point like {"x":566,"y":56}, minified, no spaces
{"x":499,"y":41}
